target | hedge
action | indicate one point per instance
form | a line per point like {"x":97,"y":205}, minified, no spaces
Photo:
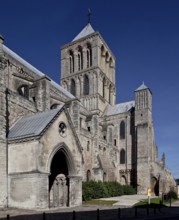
{"x":96,"y":190}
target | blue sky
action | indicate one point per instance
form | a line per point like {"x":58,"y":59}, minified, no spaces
{"x":143,"y":35}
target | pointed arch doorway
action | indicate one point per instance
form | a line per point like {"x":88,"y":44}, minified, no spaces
{"x":58,"y":180}
{"x":155,"y":186}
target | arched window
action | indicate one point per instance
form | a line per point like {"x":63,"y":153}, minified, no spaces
{"x":89,"y":56}
{"x":24,"y":91}
{"x":86,"y":85}
{"x":88,"y":175}
{"x":73,"y":87}
{"x":102,"y":51}
{"x":110,"y":94}
{"x":122,"y":130}
{"x":107,"y":56}
{"x":110,"y":62}
{"x":122,"y":156}
{"x":80,"y":59}
{"x":71,"y":62}
{"x":103,"y":87}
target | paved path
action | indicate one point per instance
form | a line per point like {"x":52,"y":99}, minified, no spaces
{"x":127,"y":200}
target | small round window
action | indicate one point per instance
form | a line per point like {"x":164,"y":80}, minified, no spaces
{"x":62,"y":129}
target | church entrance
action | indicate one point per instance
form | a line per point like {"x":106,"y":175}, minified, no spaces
{"x":58,"y":181}
{"x":155,"y":186}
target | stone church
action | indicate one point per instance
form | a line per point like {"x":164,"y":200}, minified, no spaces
{"x":53,"y":137}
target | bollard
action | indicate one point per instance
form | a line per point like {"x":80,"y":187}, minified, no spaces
{"x":44,"y":216}
{"x":8,"y":217}
{"x":135,"y":211}
{"x":98,"y":218}
{"x":119,"y":213}
{"x":74,"y":215}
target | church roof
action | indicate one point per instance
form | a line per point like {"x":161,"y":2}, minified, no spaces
{"x":85,"y":32}
{"x":33,"y":125}
{"x":36,"y":71}
{"x":143,"y":86}
{"x":119,"y":108}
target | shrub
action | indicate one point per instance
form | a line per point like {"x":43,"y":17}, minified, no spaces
{"x":96,"y":190}
{"x":172,"y":195}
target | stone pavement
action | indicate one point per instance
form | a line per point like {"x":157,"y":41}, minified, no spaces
{"x":127,"y":200}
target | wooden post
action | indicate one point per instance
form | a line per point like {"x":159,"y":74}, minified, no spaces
{"x":119,"y":213}
{"x":98,"y":217}
{"x":44,"y":216}
{"x":135,"y":211}
{"x":74,"y":215}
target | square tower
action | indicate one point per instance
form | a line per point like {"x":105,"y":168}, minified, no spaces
{"x":88,"y":70}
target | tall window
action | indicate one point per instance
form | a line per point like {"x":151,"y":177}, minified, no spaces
{"x":89,"y":55}
{"x":102,"y":51}
{"x":88,"y":175}
{"x":110,"y":94}
{"x":107,"y":57}
{"x":122,"y":130}
{"x":122,"y":156}
{"x":110,"y":62}
{"x":80,"y":59}
{"x":24,"y":91}
{"x":104,"y":84}
{"x":73,"y":87}
{"x":71,"y":62}
{"x":86,"y":85}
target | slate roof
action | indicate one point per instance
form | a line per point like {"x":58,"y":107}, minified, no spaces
{"x":143,"y":86}
{"x":119,"y":108}
{"x":33,"y":125}
{"x":85,"y":32}
{"x":36,"y":71}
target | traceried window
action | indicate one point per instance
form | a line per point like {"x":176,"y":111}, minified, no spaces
{"x":73,"y":87}
{"x":71,"y":62}
{"x":122,"y":130}
{"x":24,"y":91}
{"x":86,"y":85}
{"x":80,"y":59}
{"x":122,"y":156}
{"x":89,"y":56}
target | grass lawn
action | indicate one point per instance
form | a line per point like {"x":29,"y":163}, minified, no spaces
{"x":154,"y":202}
{"x":99,"y":202}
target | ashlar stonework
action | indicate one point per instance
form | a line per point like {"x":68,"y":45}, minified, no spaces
{"x":53,"y":137}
